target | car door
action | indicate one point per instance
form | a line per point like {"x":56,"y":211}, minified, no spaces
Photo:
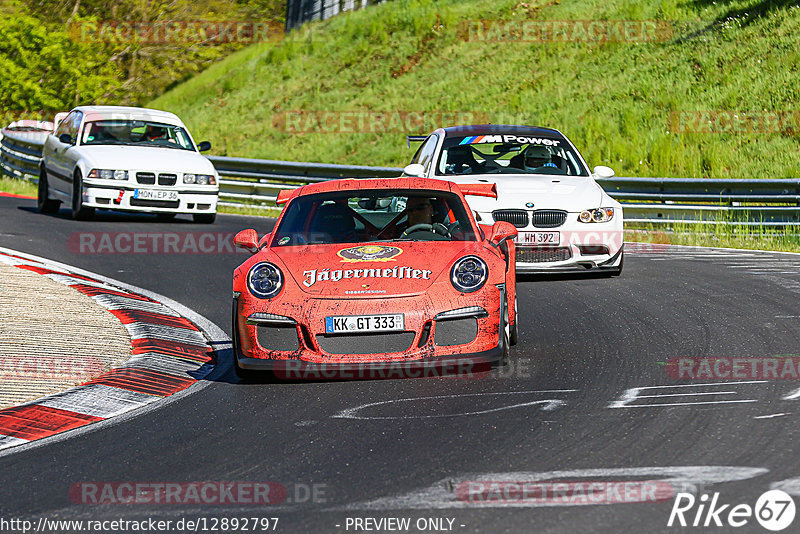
{"x":53,"y":156}
{"x":71,"y":153}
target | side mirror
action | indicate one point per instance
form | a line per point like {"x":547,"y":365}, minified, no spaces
{"x":65,"y":138}
{"x":501,"y":231}
{"x":247,"y":239}
{"x":414,"y":169}
{"x":601,"y":171}
{"x":204,"y":146}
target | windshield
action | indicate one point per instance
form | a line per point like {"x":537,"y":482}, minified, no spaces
{"x":137,"y":133}
{"x":379,"y":215}
{"x":508,"y":154}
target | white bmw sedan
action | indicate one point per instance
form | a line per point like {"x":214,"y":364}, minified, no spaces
{"x":565,"y":221}
{"x":126,"y":158}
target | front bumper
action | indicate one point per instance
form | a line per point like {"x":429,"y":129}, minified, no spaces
{"x":428,"y":339}
{"x":103,"y":196}
{"x":579,"y":263}
{"x":581,"y":247}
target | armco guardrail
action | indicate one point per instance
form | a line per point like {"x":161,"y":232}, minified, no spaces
{"x":767,"y":202}
{"x":20,"y":152}
{"x":256,"y":182}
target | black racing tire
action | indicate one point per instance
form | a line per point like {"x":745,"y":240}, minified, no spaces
{"x":245,"y":375}
{"x":503,"y":360}
{"x":79,"y":212}
{"x":45,"y":204}
{"x":513,"y":333}
{"x":513,"y":339}
{"x":204,"y":218}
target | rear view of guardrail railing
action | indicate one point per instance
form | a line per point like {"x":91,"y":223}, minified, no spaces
{"x":256,"y":182}
{"x":20,"y":152}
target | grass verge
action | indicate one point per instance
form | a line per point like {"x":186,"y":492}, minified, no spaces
{"x":15,"y":186}
{"x":620,"y":102}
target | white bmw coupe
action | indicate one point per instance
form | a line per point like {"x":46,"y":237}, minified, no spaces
{"x":126,"y":158}
{"x":566,"y":222}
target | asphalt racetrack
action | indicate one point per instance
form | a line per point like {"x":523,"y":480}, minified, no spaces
{"x":590,"y":396}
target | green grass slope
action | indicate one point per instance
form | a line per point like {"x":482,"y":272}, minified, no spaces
{"x":615,"y":100}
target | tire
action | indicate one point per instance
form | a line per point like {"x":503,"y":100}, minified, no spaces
{"x":204,"y":218}
{"x":503,"y":361}
{"x":513,"y":333}
{"x":245,"y":375}
{"x":79,"y":212}
{"x":44,"y":204}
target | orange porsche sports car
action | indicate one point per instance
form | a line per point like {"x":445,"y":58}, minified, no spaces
{"x":363,"y":273}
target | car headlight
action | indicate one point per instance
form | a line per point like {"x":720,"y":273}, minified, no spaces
{"x":599,"y":215}
{"x":264,"y":280}
{"x":199,"y":179}
{"x":108,"y":174}
{"x":469,"y":274}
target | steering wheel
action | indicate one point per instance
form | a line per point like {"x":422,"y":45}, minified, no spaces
{"x":436,"y":228}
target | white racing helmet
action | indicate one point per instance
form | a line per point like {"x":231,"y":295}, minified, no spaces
{"x":537,"y":156}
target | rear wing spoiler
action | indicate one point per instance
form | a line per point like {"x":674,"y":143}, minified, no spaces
{"x":478,"y":190}
{"x":414,"y":139}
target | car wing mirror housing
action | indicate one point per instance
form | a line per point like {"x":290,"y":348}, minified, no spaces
{"x":65,"y":138}
{"x":204,"y":146}
{"x":247,"y":239}
{"x":414,"y":169}
{"x":601,"y":171}
{"x":502,"y":231}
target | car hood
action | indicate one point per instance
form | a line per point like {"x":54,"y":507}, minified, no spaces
{"x":516,"y":191}
{"x":145,"y":158}
{"x":374,"y":270}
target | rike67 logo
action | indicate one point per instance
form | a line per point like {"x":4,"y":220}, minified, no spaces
{"x":774,"y":510}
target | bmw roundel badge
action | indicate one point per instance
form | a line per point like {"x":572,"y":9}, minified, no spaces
{"x":529,"y":204}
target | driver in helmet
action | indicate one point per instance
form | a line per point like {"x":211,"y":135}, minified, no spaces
{"x":154,"y":133}
{"x":419,"y":210}
{"x":537,"y":157}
